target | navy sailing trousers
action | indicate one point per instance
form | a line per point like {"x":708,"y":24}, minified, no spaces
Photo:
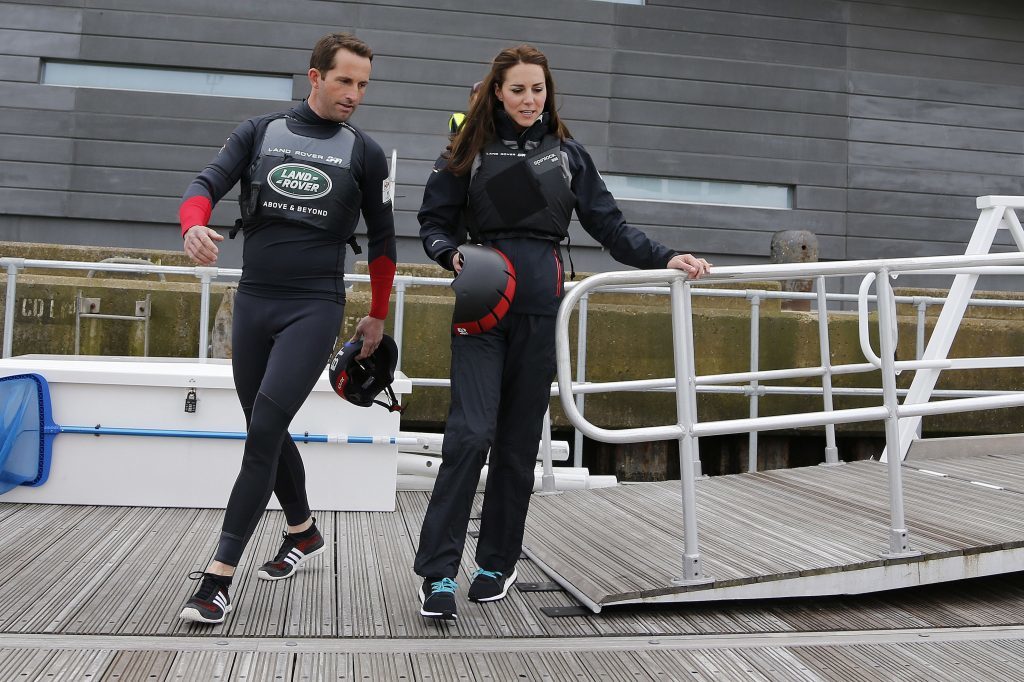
{"x":501,"y":383}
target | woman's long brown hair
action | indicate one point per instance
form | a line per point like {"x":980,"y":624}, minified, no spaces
{"x":478,"y":130}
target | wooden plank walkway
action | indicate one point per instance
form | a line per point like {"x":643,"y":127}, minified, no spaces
{"x":94,"y":592}
{"x":813,"y":530}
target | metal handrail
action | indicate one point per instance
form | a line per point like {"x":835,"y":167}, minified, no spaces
{"x":206,"y":275}
{"x":687,"y":430}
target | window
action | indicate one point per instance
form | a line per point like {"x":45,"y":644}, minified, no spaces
{"x":691,"y":191}
{"x":154,"y":79}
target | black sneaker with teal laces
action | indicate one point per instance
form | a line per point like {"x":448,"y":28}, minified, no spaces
{"x":211,"y":602}
{"x":437,"y":599}
{"x":490,"y":585}
{"x":295,"y":551}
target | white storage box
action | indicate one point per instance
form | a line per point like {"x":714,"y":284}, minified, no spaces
{"x":193,"y":472}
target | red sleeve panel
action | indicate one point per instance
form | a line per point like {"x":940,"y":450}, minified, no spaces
{"x":382,"y":276}
{"x":194,"y":211}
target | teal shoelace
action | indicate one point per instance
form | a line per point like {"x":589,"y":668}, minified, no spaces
{"x":444,"y":585}
{"x":493,"y":575}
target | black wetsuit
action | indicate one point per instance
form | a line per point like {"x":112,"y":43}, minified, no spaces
{"x":289,"y":308}
{"x":501,"y":379}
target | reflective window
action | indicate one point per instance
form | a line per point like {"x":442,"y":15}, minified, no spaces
{"x":690,"y":191}
{"x":152,"y":79}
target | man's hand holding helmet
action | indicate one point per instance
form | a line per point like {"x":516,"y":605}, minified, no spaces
{"x":371,"y":331}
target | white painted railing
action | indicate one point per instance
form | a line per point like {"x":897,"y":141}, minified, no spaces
{"x":687,"y":429}
{"x":742,"y":383}
{"x":750,"y":384}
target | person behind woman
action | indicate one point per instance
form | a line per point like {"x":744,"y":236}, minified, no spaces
{"x":456,"y":120}
{"x":515,"y":166}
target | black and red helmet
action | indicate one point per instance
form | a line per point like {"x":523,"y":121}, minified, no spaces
{"x":484,"y":289}
{"x":361,"y":381}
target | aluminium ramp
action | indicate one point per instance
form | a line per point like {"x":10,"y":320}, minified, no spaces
{"x":786,"y":533}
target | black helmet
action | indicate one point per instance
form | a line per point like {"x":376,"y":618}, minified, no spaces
{"x":483,"y":290}
{"x":360,"y":381}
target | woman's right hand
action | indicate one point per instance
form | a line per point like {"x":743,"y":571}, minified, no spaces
{"x":691,"y":265}
{"x":199,"y":244}
{"x":457,"y":262}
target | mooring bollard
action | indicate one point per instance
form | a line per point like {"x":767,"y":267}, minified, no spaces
{"x":795,"y":246}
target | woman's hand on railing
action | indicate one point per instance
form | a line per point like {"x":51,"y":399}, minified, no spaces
{"x":199,"y":244}
{"x":691,"y":265}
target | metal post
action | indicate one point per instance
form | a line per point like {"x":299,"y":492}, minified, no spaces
{"x":824,"y":346}
{"x":145,"y":331}
{"x":755,"y":350}
{"x":581,"y":374}
{"x":899,"y":540}
{"x":12,"y":283}
{"x":691,"y":386}
{"x":686,"y":397}
{"x":922,"y":307}
{"x":78,"y":321}
{"x":547,"y":479}
{"x":204,"y":310}
{"x":399,"y":330}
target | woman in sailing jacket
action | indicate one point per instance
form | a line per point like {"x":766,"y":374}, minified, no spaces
{"x":514,"y":174}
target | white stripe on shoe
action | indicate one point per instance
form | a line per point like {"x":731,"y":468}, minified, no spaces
{"x":292,"y":561}
{"x":191,"y":613}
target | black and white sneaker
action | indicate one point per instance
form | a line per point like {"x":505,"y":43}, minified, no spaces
{"x":437,"y":599}
{"x":211,"y":602}
{"x":490,"y":585}
{"x":294,"y":551}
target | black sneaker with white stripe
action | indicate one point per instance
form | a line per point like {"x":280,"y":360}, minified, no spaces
{"x":437,"y":599}
{"x":490,"y":585}
{"x":211,"y":602}
{"x":295,"y":550}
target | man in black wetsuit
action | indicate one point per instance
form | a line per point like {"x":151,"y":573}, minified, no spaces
{"x":306,"y":174}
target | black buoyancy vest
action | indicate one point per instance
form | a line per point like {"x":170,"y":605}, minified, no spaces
{"x":518,"y":193}
{"x":304,"y":180}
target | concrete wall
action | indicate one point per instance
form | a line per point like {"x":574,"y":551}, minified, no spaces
{"x":887,"y":117}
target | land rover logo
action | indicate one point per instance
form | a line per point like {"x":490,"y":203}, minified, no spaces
{"x":299,"y":181}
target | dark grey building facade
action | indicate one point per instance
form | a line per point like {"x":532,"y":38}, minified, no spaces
{"x":880,"y":121}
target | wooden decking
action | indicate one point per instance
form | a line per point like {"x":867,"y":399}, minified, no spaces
{"x":93,"y":593}
{"x":792,"y":532}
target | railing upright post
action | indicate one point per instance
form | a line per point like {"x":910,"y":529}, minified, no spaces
{"x":547,"y":479}
{"x":922,"y":309}
{"x":581,"y":374}
{"x":686,"y":411}
{"x":12,"y":283}
{"x":824,"y":347}
{"x":205,"y":274}
{"x":755,"y":352}
{"x":899,"y":539}
{"x":399,"y":331}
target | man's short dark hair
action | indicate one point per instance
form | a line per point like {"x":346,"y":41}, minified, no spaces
{"x":322,"y":58}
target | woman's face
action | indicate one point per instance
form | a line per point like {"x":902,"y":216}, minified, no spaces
{"x":523,"y":93}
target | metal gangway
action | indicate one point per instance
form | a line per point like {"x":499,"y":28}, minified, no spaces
{"x":831,"y":529}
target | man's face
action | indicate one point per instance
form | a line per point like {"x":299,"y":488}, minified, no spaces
{"x":336,"y":94}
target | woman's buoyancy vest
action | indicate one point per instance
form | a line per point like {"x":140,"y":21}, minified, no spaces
{"x":521,"y":193}
{"x":304,"y":180}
